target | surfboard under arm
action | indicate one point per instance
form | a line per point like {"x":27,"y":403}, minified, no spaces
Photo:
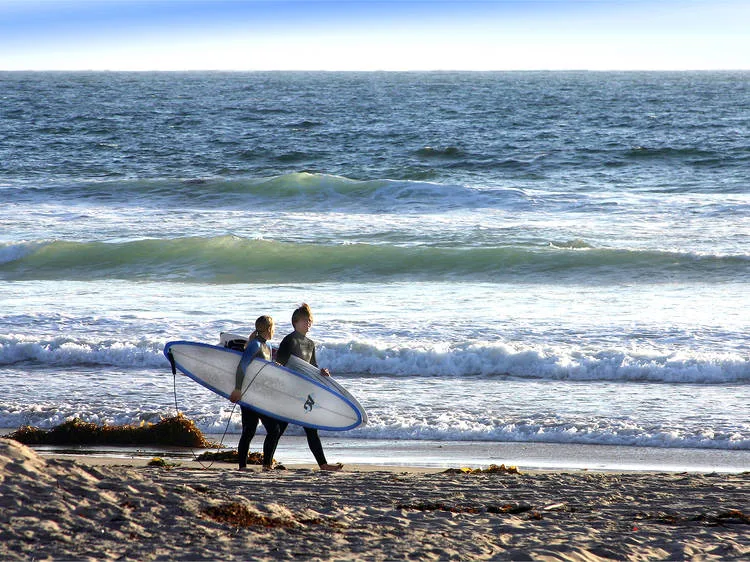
{"x":268,"y":388}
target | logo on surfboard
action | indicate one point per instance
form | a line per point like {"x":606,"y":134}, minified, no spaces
{"x":309,"y":403}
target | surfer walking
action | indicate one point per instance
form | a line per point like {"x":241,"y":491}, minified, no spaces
{"x":298,"y":344}
{"x":257,"y":346}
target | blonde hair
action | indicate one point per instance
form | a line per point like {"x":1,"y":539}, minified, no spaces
{"x":262,"y":324}
{"x":303,"y":312}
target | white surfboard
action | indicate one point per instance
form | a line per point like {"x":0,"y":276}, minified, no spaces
{"x":296,"y":364}
{"x":269,"y":388}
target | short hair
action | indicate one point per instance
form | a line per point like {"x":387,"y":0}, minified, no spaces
{"x":302,"y":312}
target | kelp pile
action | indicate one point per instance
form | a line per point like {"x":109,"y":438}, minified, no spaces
{"x":238,"y":515}
{"x":492,"y":469}
{"x":162,"y":463}
{"x":176,"y":431}
{"x":230,"y":456}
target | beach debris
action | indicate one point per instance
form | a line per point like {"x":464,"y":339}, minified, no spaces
{"x":492,"y":469}
{"x":177,"y":431}
{"x":508,"y":508}
{"x":734,"y":516}
{"x":727,"y":517}
{"x":554,"y":507}
{"x":440,"y":506}
{"x":239,"y":515}
{"x":502,"y":468}
{"x":162,"y":463}
{"x":231,"y":456}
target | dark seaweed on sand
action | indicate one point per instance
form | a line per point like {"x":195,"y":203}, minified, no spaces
{"x":177,"y":431}
{"x":230,"y":456}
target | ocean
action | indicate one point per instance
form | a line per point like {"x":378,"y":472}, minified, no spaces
{"x":513,"y":257}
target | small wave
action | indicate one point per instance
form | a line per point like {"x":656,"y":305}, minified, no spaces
{"x":324,"y":190}
{"x":271,"y":192}
{"x":641,"y":152}
{"x":447,"y":152}
{"x":576,"y":244}
{"x":69,"y":352}
{"x":305,"y":190}
{"x":304,"y":124}
{"x":549,"y":429}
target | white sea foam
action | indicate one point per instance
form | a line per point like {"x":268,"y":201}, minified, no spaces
{"x":362,"y":359}
{"x":403,"y":424}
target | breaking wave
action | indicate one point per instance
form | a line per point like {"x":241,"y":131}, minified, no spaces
{"x":232,"y":259}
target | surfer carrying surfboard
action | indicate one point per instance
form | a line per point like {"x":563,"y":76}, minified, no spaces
{"x":298,"y":344}
{"x":257,"y":346}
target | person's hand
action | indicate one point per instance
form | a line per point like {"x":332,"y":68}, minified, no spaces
{"x":235,"y":396}
{"x":325,"y":372}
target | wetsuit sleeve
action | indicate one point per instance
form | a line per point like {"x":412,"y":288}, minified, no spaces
{"x":248,"y":355}
{"x":313,"y":361}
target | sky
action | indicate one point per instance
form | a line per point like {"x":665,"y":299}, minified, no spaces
{"x":374,"y":35}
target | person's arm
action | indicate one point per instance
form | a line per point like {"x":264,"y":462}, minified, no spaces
{"x":314,"y":362}
{"x":248,"y":355}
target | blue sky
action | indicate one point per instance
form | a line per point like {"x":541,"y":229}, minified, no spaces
{"x":374,"y":35}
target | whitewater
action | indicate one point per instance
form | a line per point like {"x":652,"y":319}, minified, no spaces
{"x":540,"y":258}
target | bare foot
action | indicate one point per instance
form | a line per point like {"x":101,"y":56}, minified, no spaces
{"x":332,"y":467}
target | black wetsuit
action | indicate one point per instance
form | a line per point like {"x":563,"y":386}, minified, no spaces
{"x":303,"y":347}
{"x":250,"y":417}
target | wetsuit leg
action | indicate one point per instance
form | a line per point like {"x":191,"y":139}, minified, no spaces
{"x":275,"y":431}
{"x":273,"y":434}
{"x":313,"y":441}
{"x":249,"y":425}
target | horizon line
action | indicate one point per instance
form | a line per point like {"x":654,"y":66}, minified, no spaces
{"x":423,"y":70}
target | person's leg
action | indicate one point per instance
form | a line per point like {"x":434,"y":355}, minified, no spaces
{"x":249,"y":425}
{"x":274,"y":430}
{"x":313,"y":441}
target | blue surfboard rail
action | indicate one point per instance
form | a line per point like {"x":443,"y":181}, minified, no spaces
{"x":331,"y":389}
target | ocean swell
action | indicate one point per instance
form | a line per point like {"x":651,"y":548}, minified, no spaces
{"x":232,"y":259}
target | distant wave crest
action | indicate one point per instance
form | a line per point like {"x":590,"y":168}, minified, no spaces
{"x":239,"y":191}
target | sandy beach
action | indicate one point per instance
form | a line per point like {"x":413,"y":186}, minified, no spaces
{"x":96,"y":508}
